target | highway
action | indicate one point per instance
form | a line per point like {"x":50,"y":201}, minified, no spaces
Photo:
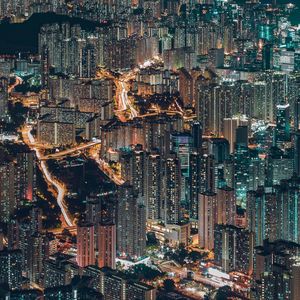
{"x":60,"y":193}
{"x":104,"y":167}
{"x":70,"y":151}
{"x":19,"y":81}
{"x":59,"y":187}
{"x":123,"y":102}
{"x":61,"y":190}
{"x":123,"y":96}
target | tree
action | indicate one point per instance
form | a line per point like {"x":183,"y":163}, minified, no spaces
{"x":223,"y":293}
{"x":18,"y":116}
{"x":195,"y":255}
{"x":182,"y":254}
{"x":151,"y":239}
{"x":66,"y":233}
{"x":169,"y":285}
{"x":142,"y":271}
{"x":179,"y":255}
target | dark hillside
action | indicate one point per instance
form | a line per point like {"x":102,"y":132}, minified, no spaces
{"x":23,"y":37}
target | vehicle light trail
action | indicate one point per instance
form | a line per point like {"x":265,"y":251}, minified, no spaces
{"x":58,"y":186}
{"x":61,"y":193}
{"x":67,"y":152}
{"x":123,"y":102}
{"x":19,"y":81}
{"x":126,"y":102}
{"x":123,"y":96}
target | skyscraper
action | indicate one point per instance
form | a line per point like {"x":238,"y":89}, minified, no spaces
{"x":282,"y":130}
{"x":261,"y":215}
{"x":195,"y":170}
{"x":267,"y":57}
{"x":277,"y":270}
{"x":208,"y":217}
{"x":3,"y":97}
{"x":153,"y":179}
{"x":7,"y":190}
{"x":106,"y":245}
{"x":230,"y":127}
{"x":219,"y":148}
{"x":173,"y":190}
{"x":197,"y":136}
{"x":182,"y":145}
{"x":257,"y":166}
{"x":26,"y":175}
{"x":241,"y":170}
{"x":208,"y":174}
{"x":288,"y":210}
{"x":58,"y":270}
{"x":226,"y":204}
{"x":280,"y":165}
{"x":297,"y":115}
{"x":85,"y":244}
{"x":130,"y":224}
{"x":35,"y":257}
{"x":194,"y":184}
{"x":133,"y":163}
{"x":88,"y":64}
{"x":11,"y":268}
{"x":241,"y":137}
{"x":233,"y":248}
{"x":297,"y":152}
{"x":115,"y":285}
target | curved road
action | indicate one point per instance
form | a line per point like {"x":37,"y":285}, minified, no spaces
{"x":60,"y":193}
{"x":125,"y":101}
{"x":121,"y":82}
{"x":19,"y":81}
{"x":58,"y":186}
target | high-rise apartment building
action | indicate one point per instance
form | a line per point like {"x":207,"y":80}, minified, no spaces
{"x":282,"y":130}
{"x":130,"y":223}
{"x":8,"y":201}
{"x":226,"y":204}
{"x":233,"y":248}
{"x":85,"y":244}
{"x":58,"y":270}
{"x":26,"y":175}
{"x":172,"y":190}
{"x":154,"y":176}
{"x":261,"y":215}
{"x":11,"y":268}
{"x":280,"y":165}
{"x":3,"y":97}
{"x":106,"y":245}
{"x":277,"y":270}
{"x":208,"y":217}
{"x":116,"y":286}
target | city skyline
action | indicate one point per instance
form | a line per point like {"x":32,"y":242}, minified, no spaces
{"x":149,"y":149}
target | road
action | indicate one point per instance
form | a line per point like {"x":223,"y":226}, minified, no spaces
{"x":121,"y":81}
{"x":59,"y":187}
{"x":70,"y":151}
{"x":126,"y":102}
{"x":179,"y":271}
{"x":123,"y":96}
{"x":19,"y":81}
{"x":123,"y":102}
{"x":243,"y":286}
{"x":104,"y":167}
